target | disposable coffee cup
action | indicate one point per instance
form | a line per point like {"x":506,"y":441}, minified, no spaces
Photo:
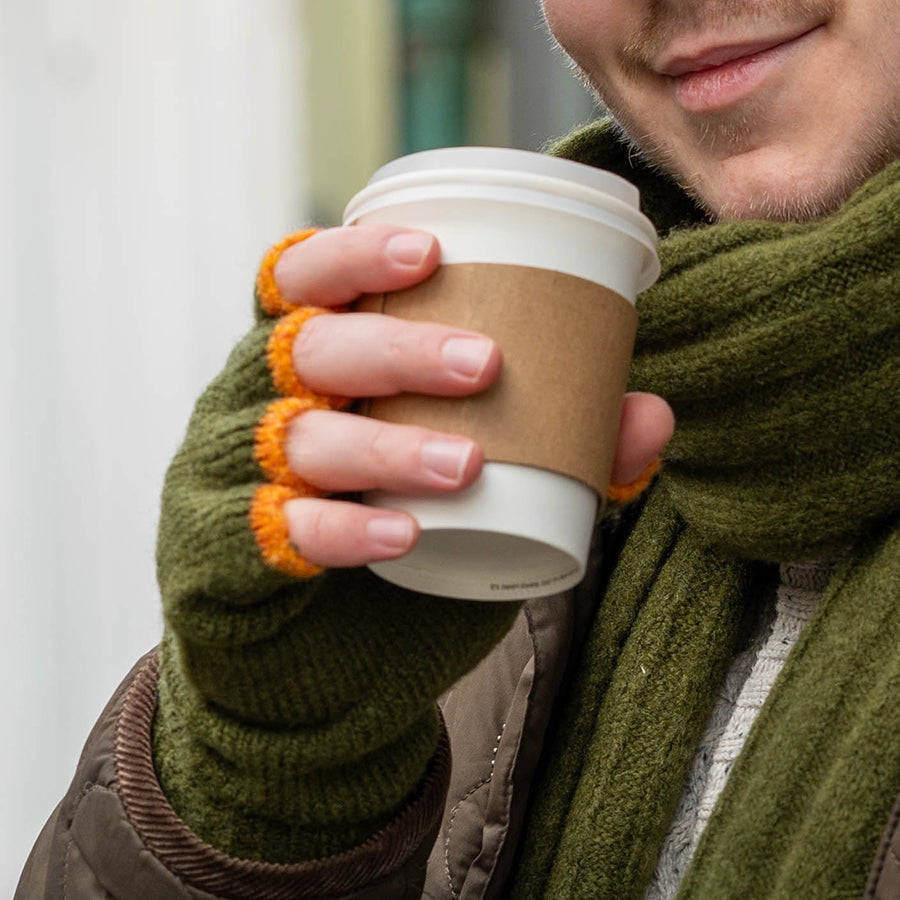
{"x":546,"y":256}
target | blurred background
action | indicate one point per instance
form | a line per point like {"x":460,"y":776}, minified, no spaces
{"x":149,"y":153}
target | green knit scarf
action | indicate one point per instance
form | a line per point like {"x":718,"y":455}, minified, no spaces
{"x":778,"y":346}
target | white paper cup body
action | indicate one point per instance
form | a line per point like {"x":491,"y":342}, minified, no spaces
{"x":519,"y":531}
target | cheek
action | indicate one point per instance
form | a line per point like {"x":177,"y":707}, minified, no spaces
{"x":586,"y":29}
{"x":562,"y":19}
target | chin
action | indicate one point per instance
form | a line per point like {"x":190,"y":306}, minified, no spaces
{"x":777,"y":195}
{"x":783,"y":196}
{"x":781,"y":185}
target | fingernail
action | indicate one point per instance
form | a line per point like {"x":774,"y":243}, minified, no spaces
{"x":467,"y":356}
{"x":408,"y":249}
{"x":447,"y":458}
{"x":392,"y":533}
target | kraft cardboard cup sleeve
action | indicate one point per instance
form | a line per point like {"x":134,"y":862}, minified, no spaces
{"x":546,"y":256}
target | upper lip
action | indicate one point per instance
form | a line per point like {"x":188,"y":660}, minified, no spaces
{"x":677,"y":62}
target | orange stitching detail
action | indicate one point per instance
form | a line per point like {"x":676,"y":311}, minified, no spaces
{"x":270,"y":437}
{"x":270,"y":527}
{"x":267,"y":292}
{"x":280,"y":355}
{"x":624,"y":493}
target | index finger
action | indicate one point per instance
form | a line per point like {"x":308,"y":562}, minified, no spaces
{"x":338,"y":265}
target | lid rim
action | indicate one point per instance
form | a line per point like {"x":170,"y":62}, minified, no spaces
{"x":629,"y":221}
{"x":503,"y":159}
{"x":478,"y":179}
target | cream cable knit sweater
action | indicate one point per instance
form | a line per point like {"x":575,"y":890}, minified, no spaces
{"x":747,"y":684}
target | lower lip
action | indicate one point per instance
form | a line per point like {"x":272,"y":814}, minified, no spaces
{"x":719,"y":87}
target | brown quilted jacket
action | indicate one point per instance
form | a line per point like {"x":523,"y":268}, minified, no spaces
{"x":115,"y":836}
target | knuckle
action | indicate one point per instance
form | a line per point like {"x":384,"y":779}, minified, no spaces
{"x":396,"y":357}
{"x":412,"y":356}
{"x":380,"y":447}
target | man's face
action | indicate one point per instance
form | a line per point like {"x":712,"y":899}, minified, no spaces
{"x":760,"y":108}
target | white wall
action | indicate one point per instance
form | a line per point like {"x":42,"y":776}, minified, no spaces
{"x":149,"y":152}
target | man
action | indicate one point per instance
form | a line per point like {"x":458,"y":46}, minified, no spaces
{"x":283,"y":742}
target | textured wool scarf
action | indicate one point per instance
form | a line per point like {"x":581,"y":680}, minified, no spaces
{"x":777,"y":345}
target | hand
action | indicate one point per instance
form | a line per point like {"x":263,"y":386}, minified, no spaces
{"x":364,"y":355}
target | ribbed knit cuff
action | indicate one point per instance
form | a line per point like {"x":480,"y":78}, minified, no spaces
{"x":394,"y":852}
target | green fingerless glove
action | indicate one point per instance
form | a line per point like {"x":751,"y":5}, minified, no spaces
{"x":297,"y":710}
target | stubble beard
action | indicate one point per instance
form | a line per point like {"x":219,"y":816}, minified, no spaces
{"x":871,"y":150}
{"x":667,"y":19}
{"x":732,"y":132}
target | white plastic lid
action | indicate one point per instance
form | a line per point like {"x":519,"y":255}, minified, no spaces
{"x":515,"y":178}
{"x":509,"y":160}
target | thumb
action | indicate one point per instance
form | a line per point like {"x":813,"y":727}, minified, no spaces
{"x":645,"y":428}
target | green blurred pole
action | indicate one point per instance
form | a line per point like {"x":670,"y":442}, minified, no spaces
{"x":437,"y":35}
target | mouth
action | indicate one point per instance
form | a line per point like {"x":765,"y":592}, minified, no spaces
{"x":713,"y":78}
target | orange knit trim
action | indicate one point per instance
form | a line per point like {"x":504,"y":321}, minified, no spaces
{"x":270,"y":437}
{"x":270,"y":527}
{"x":625,"y":493}
{"x":280,"y":355}
{"x":267,"y":292}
